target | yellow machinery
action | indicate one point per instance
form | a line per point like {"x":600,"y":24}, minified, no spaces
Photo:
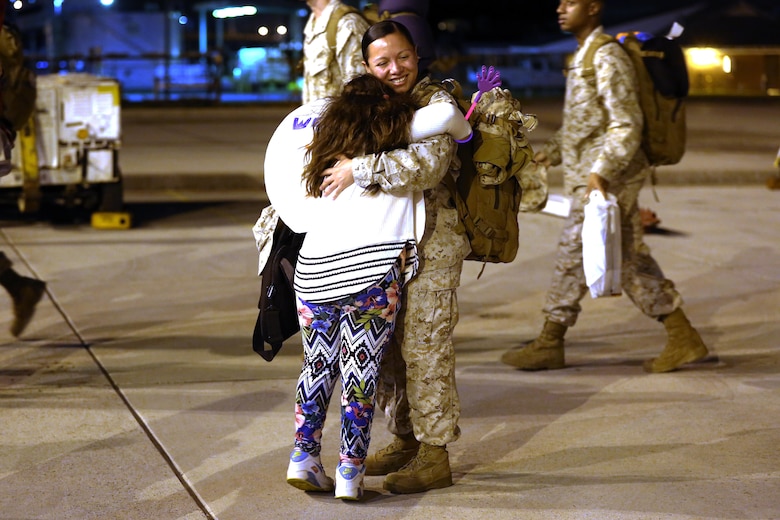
{"x":30,"y":198}
{"x":67,"y":155}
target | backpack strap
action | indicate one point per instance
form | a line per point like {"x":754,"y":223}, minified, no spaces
{"x":333,"y":24}
{"x":372,"y":13}
{"x":427,"y":88}
{"x":587,"y":60}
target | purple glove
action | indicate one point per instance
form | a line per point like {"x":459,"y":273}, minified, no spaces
{"x":487,"y":80}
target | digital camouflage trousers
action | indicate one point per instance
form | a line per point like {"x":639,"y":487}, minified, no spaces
{"x":642,"y":279}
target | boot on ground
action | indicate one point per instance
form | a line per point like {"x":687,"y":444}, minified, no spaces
{"x":25,"y":293}
{"x":684,"y":345}
{"x":429,"y":469}
{"x":394,"y":456}
{"x":543,"y":353}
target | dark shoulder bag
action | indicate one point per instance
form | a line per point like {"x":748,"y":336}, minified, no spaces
{"x":277,"y":319}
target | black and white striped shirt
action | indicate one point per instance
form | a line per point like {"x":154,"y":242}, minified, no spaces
{"x":338,"y":275}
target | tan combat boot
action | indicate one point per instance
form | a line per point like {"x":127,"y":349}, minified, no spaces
{"x":394,"y":456}
{"x":429,"y":469}
{"x":684,"y":345}
{"x":543,"y":353}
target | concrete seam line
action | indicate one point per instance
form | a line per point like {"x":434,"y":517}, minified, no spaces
{"x":201,"y":503}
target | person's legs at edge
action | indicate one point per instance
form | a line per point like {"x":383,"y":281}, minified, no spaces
{"x":25,"y":294}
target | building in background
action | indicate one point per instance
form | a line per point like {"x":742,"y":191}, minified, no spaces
{"x":732,"y":48}
{"x":170,"y":49}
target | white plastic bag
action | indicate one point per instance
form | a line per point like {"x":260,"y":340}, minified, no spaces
{"x":601,"y":256}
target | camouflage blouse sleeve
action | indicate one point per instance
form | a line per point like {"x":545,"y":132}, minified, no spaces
{"x":420,"y":166}
{"x":553,"y":148}
{"x":617,"y":86}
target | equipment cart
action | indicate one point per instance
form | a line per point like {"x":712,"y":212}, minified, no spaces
{"x":67,"y":155}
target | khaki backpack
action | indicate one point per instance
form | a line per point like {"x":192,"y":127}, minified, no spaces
{"x":498,"y":177}
{"x":663,"y":86}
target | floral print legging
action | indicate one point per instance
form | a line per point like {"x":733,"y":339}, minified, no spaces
{"x":345,"y":338}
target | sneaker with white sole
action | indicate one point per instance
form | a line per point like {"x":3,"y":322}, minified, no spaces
{"x":306,"y":472}
{"x":349,"y":481}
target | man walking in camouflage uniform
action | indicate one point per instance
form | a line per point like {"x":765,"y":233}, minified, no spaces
{"x":599,"y":147}
{"x":326,"y":69}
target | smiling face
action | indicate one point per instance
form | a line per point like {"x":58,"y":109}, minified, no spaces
{"x":393,"y":59}
{"x":579,"y":17}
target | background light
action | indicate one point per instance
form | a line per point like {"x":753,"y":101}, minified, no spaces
{"x":727,"y":64}
{"x":233,"y":12}
{"x":704,"y":57}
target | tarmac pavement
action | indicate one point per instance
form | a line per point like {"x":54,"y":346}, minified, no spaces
{"x":134,"y":393}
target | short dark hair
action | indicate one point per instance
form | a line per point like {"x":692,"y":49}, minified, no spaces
{"x":382,"y":29}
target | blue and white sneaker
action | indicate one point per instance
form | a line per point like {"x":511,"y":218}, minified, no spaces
{"x":306,"y":472}
{"x":349,"y":481}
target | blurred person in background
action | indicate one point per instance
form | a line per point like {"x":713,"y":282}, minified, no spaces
{"x":326,"y":70}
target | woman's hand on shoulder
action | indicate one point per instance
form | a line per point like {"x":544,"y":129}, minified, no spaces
{"x":337,"y":178}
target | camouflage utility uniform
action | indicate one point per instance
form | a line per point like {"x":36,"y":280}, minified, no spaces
{"x":327,"y":70}
{"x":417,"y":387}
{"x":601,"y":133}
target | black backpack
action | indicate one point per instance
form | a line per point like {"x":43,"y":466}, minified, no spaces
{"x":277,"y":319}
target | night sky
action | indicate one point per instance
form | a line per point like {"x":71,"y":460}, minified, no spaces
{"x":518,"y":21}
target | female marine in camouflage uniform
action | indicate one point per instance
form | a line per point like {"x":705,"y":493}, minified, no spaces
{"x":418,"y":386}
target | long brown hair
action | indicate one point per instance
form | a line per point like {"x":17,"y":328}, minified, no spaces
{"x":367,"y":117}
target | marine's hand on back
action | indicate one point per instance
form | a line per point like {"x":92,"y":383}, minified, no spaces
{"x":337,"y":178}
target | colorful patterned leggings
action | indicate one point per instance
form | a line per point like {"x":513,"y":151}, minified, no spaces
{"x":344,"y":338}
